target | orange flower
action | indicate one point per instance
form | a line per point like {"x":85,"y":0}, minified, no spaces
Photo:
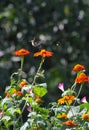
{"x":43,"y":53}
{"x":64,"y":115}
{"x":38,"y":99}
{"x":86,"y":116}
{"x":21,"y":52}
{"x":23,"y":83}
{"x":38,"y":127}
{"x":61,"y":101}
{"x":19,"y":93}
{"x":14,"y":91}
{"x":82,"y":78}
{"x":69,"y":99}
{"x":78,"y":67}
{"x":7,"y":94}
{"x":69,"y":123}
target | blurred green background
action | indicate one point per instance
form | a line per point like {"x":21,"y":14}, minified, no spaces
{"x":63,"y":26}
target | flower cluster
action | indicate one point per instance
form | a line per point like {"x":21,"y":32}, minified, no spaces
{"x":82,"y":77}
{"x":66,"y":99}
{"x":68,"y":112}
{"x":69,"y":97}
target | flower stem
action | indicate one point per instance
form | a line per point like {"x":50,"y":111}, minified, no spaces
{"x":73,"y":86}
{"x":69,"y":107}
{"x":34,"y":80}
{"x":79,"y":90}
{"x":21,"y":69}
{"x":36,"y":75}
{"x":78,"y":93}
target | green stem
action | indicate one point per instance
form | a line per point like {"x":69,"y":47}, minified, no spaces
{"x":73,"y":86}
{"x":78,"y":93}
{"x":14,"y":124}
{"x":22,"y":62}
{"x":79,"y":90}
{"x":69,"y":107}
{"x":34,"y":80}
{"x":21,"y":69}
{"x":36,"y":75}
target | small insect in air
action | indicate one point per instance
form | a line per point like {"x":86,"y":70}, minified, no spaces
{"x":35,"y":43}
{"x":58,"y":43}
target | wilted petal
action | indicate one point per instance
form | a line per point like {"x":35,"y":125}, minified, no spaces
{"x":1,"y":113}
{"x":61,"y":86}
{"x":29,"y":108}
{"x":84,"y":99}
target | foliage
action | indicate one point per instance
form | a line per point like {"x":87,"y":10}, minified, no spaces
{"x":23,"y":97}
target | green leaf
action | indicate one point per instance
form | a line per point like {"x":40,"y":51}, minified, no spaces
{"x":40,"y":91}
{"x":4,"y":107}
{"x":18,"y":111}
{"x":43,"y":85}
{"x":41,"y":74}
{"x":68,"y":92}
{"x":25,"y":126}
{"x":1,"y":16}
{"x":73,"y":111}
{"x":7,"y":88}
{"x":11,"y":110}
{"x":84,"y":105}
{"x":7,"y":118}
{"x":5,"y":100}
